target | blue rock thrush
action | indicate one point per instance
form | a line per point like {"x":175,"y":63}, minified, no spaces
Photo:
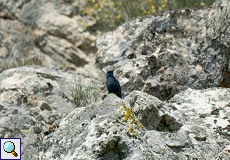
{"x":112,"y":84}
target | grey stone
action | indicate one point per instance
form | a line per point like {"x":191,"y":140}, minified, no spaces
{"x":179,"y":57}
{"x":29,"y":119}
{"x":173,"y":51}
{"x":47,"y":33}
{"x":79,"y":137}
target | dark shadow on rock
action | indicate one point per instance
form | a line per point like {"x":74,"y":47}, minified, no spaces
{"x":115,"y":150}
{"x":168,"y":124}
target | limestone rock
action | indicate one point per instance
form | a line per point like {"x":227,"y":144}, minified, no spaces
{"x":47,"y":33}
{"x":122,"y":129}
{"x":165,"y":54}
{"x":169,"y":67}
{"x":32,"y":99}
{"x":219,"y":23}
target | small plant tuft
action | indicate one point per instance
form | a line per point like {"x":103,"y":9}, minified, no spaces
{"x":82,"y":95}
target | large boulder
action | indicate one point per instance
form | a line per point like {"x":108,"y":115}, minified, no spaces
{"x":47,"y":33}
{"x":192,"y":125}
{"x":165,"y":54}
{"x":33,"y":100}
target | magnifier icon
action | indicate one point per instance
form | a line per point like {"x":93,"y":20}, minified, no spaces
{"x":9,"y":147}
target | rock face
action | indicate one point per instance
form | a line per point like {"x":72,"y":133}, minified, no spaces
{"x":33,"y":99}
{"x":163,"y":55}
{"x":219,"y":25}
{"x":173,"y":57}
{"x":48,"y":33}
{"x":192,"y":125}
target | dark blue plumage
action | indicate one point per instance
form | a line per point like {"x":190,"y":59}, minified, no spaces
{"x":112,"y":84}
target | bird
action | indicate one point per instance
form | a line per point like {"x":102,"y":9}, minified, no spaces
{"x":112,"y":84}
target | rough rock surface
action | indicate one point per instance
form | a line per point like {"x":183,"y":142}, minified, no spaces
{"x":192,"y":125}
{"x":48,"y":33}
{"x":165,"y":54}
{"x":33,"y":99}
{"x":161,"y":55}
{"x":219,"y":22}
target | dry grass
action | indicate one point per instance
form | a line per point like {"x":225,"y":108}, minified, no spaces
{"x":82,"y":95}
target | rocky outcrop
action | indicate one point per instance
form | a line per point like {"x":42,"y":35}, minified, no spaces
{"x":37,"y":104}
{"x":173,"y":57}
{"x":192,"y":125}
{"x":33,"y":100}
{"x":165,"y":54}
{"x":47,"y":33}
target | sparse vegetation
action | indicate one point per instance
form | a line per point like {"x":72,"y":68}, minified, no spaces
{"x":111,"y":13}
{"x":18,"y":63}
{"x":82,"y":95}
